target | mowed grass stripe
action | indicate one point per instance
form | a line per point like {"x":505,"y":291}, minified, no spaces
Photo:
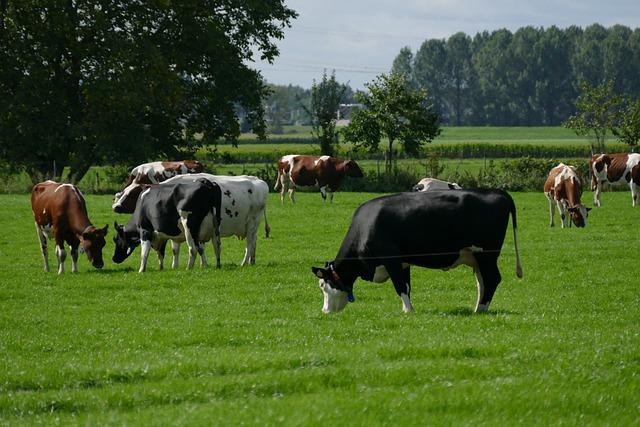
{"x":250,"y":346}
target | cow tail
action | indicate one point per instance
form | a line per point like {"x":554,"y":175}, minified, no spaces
{"x":276,"y":186}
{"x":267,"y":229}
{"x":515,"y":238}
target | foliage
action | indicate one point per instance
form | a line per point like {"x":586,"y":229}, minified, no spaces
{"x":628,"y":129}
{"x":85,"y":82}
{"x":529,"y":77}
{"x":394,"y":111}
{"x":249,"y":346}
{"x":597,"y":113}
{"x":326,"y":97}
{"x":284,"y":106}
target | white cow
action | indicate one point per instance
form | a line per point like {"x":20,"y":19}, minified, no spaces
{"x":428,"y":184}
{"x":244,"y":202}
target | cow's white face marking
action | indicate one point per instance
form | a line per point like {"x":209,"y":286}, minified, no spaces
{"x":335,"y":300}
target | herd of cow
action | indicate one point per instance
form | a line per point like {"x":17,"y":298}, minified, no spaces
{"x":438,"y":225}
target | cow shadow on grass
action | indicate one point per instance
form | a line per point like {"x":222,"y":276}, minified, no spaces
{"x":468,"y":312}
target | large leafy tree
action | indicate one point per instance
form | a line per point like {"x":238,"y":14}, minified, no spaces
{"x":326,"y":97}
{"x":598,"y":111}
{"x":395,"y":111}
{"x":84,"y":81}
{"x":628,"y":128}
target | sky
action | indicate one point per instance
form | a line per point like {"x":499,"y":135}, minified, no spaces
{"x":359,"y":39}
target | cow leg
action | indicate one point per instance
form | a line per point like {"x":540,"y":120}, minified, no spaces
{"x":330,"y":196}
{"x":203,"y":257}
{"x":61,"y":255}
{"x":563,"y":212}
{"x":323,"y":193}
{"x":175,"y":248}
{"x":552,"y":211}
{"x":487,"y":279}
{"x":144,"y":255}
{"x":42,"y":238}
{"x":284,"y":188}
{"x":634,"y":193}
{"x":74,"y":259}
{"x":401,"y":282}
{"x":215,"y":240}
{"x":596,"y":194}
{"x":292,"y":195}
{"x":160,"y":251}
{"x":191,"y":243}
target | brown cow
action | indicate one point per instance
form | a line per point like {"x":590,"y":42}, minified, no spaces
{"x":615,"y":168}
{"x":157,"y":172}
{"x":60,"y":213}
{"x":326,"y":172}
{"x":563,"y":186}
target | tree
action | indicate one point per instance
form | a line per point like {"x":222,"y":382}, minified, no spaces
{"x":403,"y":63}
{"x":392,"y":110}
{"x":628,"y":130}
{"x":326,"y":97}
{"x":597,"y":113}
{"x":83,"y":81}
{"x":458,"y":49}
{"x":430,"y":73}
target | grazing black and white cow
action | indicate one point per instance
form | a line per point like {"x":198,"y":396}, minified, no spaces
{"x":180,"y":211}
{"x":244,"y":203}
{"x":430,"y":184}
{"x":436,"y":229}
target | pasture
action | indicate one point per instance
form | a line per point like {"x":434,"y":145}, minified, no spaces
{"x":249,"y":346}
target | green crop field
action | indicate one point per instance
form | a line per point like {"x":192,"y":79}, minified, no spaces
{"x":250,"y":346}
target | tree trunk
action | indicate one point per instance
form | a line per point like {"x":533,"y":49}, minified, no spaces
{"x":389,"y":158}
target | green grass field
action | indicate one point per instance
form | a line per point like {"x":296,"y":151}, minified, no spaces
{"x":249,"y":346}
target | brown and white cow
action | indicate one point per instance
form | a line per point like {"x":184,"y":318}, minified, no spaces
{"x":157,"y":172}
{"x":615,"y":168}
{"x":325,"y":172}
{"x":563,"y":188}
{"x":429,"y":184}
{"x":60,"y":213}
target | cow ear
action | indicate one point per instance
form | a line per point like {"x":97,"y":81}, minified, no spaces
{"x":588,"y":209}
{"x":115,"y":225}
{"x":105,"y":229}
{"x":321,"y":273}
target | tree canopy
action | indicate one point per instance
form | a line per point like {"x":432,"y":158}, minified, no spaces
{"x":393,"y":110}
{"x":85,"y":81}
{"x":598,"y":113}
{"x":529,"y":77}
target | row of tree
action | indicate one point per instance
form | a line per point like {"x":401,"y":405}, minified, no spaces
{"x":527,"y":78}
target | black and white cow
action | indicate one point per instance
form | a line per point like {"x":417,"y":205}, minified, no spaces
{"x":435,"y":229}
{"x":180,"y":211}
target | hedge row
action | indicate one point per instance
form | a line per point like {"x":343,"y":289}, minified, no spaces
{"x":447,"y":151}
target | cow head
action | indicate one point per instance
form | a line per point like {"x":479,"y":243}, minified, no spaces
{"x":352,"y":169}
{"x":125,"y":201}
{"x":92,"y":244}
{"x":579,"y":214}
{"x":418,"y":187}
{"x":336,"y":295}
{"x":125,"y":243}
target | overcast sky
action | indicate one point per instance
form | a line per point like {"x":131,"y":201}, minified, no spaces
{"x":360,"y":38}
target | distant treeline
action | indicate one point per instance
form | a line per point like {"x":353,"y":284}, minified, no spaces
{"x":527,"y":78}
